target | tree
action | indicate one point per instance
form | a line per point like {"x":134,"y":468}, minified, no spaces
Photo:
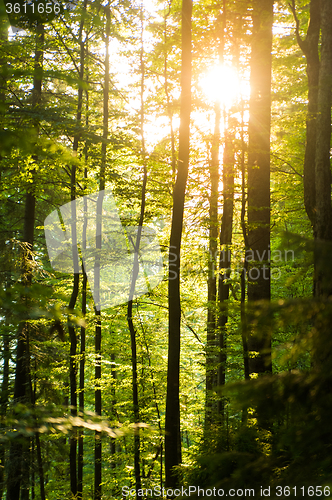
{"x":172,"y":423}
{"x":259,"y":343}
{"x":309,"y":46}
{"x":98,"y":332}
{"x":323,"y":163}
{"x":18,"y":476}
{"x":127,"y":142}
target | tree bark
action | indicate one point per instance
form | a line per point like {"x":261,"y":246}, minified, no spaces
{"x":225,"y":259}
{"x":323,"y":165}
{"x":73,"y":368}
{"x":168,"y":100}
{"x":309,"y":46}
{"x":73,"y":377}
{"x":258,"y":256}
{"x":80,"y":461}
{"x":4,"y":404}
{"x":18,"y":473}
{"x":172,"y":423}
{"x":244,"y":330}
{"x":210,"y":362}
{"x":80,"y":456}
{"x":98,"y":330}
{"x":131,"y":327}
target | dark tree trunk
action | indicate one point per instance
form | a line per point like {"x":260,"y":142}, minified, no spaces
{"x":4,"y":404}
{"x":80,"y":456}
{"x":131,"y":327}
{"x":135,"y":390}
{"x":18,"y":473}
{"x":168,"y":100}
{"x":4,"y":25}
{"x":323,"y":165}
{"x":113,"y":411}
{"x":71,"y":328}
{"x":172,"y":423}
{"x":258,"y":256}
{"x":73,"y":380}
{"x":98,"y":331}
{"x":244,"y":330}
{"x":73,"y":344}
{"x":213,"y":320}
{"x":40,"y":468}
{"x":309,"y":47}
{"x":211,"y":375}
{"x":225,"y":258}
{"x":80,"y":461}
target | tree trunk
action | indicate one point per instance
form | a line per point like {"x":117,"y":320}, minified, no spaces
{"x":244,"y":330}
{"x":309,"y":46}
{"x":258,"y":256}
{"x":135,"y":274}
{"x":113,"y":411}
{"x":225,"y":258}
{"x":172,"y":423}
{"x":73,"y":376}
{"x":168,"y":100}
{"x":3,"y":405}
{"x":4,"y":25}
{"x":18,"y":473}
{"x":98,"y":335}
{"x":323,"y":164}
{"x":80,"y":461}
{"x":71,"y":327}
{"x":211,"y":375}
{"x":40,"y":468}
{"x":80,"y":456}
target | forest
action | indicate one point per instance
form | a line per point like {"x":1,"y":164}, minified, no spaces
{"x":165,"y":249}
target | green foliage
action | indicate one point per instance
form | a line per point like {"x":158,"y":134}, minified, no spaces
{"x":270,"y":426}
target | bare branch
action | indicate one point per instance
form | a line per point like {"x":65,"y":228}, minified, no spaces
{"x":288,"y":164}
{"x":301,"y":42}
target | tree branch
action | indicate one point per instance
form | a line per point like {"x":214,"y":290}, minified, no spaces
{"x":302,"y":43}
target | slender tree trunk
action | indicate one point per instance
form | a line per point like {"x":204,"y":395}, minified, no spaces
{"x":323,"y":163}
{"x":160,"y":448}
{"x":225,"y":258}
{"x":4,"y":404}
{"x":168,"y":100}
{"x":73,"y":373}
{"x":135,"y":390}
{"x":4,"y":25}
{"x":35,"y":445}
{"x":309,"y":47}
{"x":172,"y":423}
{"x":211,"y":375}
{"x":80,"y":457}
{"x":212,"y":341}
{"x":40,"y":467}
{"x":18,"y":473}
{"x":98,"y":397}
{"x":135,"y":275}
{"x":98,"y":331}
{"x":71,"y":327}
{"x":258,"y":256}
{"x":244,"y":329}
{"x":80,"y":461}
{"x":113,"y":411}
{"x":73,"y":342}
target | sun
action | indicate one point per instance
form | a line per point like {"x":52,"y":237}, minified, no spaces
{"x":221,"y":84}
